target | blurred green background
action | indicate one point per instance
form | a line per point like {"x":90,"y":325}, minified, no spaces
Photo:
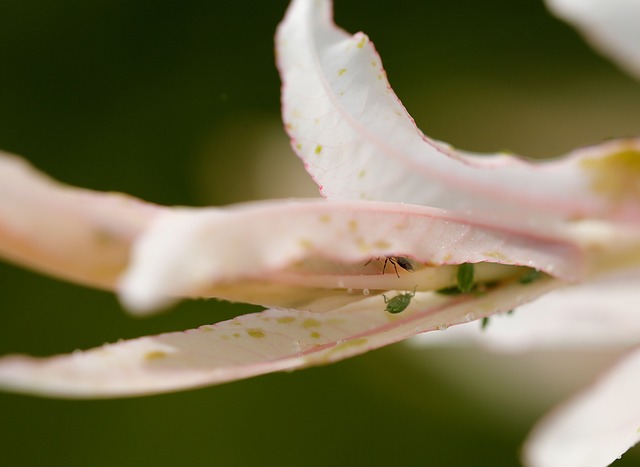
{"x":178,"y":103}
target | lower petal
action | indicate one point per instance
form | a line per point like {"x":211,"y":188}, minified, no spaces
{"x":274,"y":340}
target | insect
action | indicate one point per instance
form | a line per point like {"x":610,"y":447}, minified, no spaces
{"x":464,"y":281}
{"x":465,"y":277}
{"x":530,"y":276}
{"x":396,"y":261}
{"x":399,"y":303}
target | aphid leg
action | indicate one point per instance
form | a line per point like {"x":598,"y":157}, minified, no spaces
{"x":396,"y":261}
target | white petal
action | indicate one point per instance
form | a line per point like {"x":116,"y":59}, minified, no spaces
{"x":602,"y":313}
{"x":233,"y":252}
{"x":358,"y":142}
{"x":596,"y":427}
{"x":610,"y":25}
{"x":250,"y":345}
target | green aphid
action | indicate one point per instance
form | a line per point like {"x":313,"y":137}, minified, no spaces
{"x":484,"y":323}
{"x":530,"y":276}
{"x":465,"y":277}
{"x":399,"y":303}
{"x":453,"y":290}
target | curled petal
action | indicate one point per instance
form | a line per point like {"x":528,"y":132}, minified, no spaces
{"x":75,"y":234}
{"x":299,"y":254}
{"x":610,"y":25}
{"x":596,"y":427}
{"x":249,"y":345}
{"x":313,"y":255}
{"x":358,"y":142}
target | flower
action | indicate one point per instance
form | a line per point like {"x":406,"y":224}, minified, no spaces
{"x":323,"y":264}
{"x":328,"y":268}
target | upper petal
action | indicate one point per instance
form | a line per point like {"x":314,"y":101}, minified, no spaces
{"x":313,"y":254}
{"x":300,"y":254}
{"x":358,"y":142}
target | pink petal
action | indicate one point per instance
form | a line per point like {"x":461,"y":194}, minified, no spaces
{"x":289,"y":253}
{"x":358,"y":142}
{"x":75,"y":234}
{"x":250,"y":345}
{"x":594,"y":428}
{"x":266,"y":253}
{"x":610,"y":25}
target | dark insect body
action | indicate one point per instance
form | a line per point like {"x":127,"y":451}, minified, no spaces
{"x":396,"y":261}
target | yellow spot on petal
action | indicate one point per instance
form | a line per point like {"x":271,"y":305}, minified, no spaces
{"x":305,"y":243}
{"x":257,"y":333}
{"x":345,"y":345}
{"x":340,"y":346}
{"x":298,"y":146}
{"x":362,"y":244}
{"x":285,"y":319}
{"x":235,"y":334}
{"x":104,"y":238}
{"x":616,"y":176}
{"x":315,"y":335}
{"x":335,"y":321}
{"x":325,"y":218}
{"x":311,"y":323}
{"x":342,"y":71}
{"x":496,"y":255}
{"x":318,"y":149}
{"x":362,"y":42}
{"x":382,"y":244}
{"x":353,"y":226}
{"x":362,"y":173}
{"x":374,"y":63}
{"x":155,"y":355}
